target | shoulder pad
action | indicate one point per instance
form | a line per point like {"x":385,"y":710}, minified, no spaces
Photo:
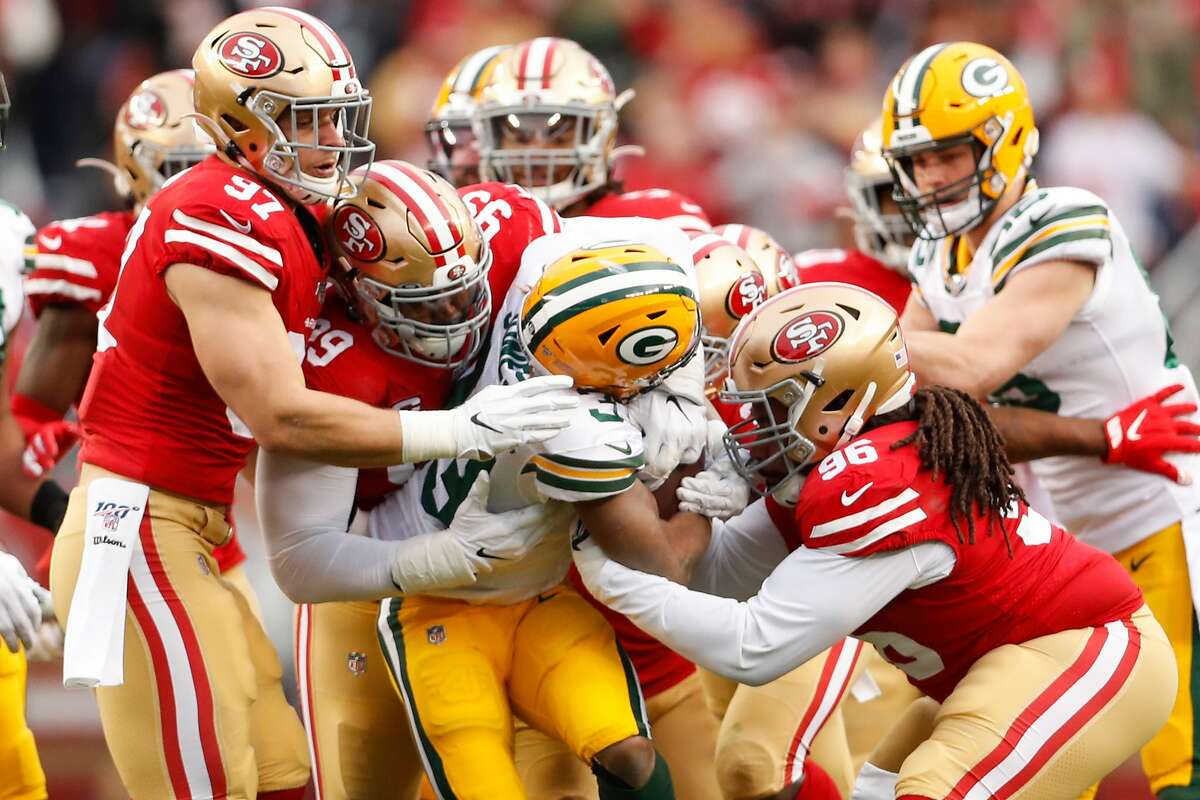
{"x":1051,"y":224}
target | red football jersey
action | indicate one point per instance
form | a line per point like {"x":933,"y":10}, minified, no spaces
{"x":867,"y":498}
{"x":343,"y":359}
{"x":148,"y":412}
{"x":858,"y":268}
{"x":663,"y":204}
{"x":509,"y":218}
{"x":77,"y":261}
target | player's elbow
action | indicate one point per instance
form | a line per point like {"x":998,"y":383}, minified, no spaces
{"x":756,"y":674}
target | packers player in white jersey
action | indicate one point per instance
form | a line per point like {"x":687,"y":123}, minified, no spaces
{"x":1031,"y":296}
{"x":612,"y":303}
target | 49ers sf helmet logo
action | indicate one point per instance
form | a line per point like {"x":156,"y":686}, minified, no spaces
{"x":251,"y":55}
{"x":358,"y":234}
{"x":146,"y":110}
{"x":747,"y":294}
{"x":807,"y":336}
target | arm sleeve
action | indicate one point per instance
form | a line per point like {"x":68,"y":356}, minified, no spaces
{"x":239,"y":244}
{"x":741,"y":554}
{"x":304,"y":509}
{"x":811,"y":600}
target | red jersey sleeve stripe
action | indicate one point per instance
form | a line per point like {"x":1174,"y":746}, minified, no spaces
{"x":235,"y":257}
{"x":64,"y":288}
{"x":859,"y":518}
{"x":58,"y":261}
{"x":551,"y":223}
{"x":878,"y":533}
{"x":248,"y":243}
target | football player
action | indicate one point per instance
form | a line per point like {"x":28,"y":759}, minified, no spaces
{"x":909,"y":534}
{"x":198,"y":358}
{"x":21,"y":599}
{"x":394,"y":335}
{"x":1031,"y":296}
{"x":547,"y":119}
{"x":775,"y":262}
{"x":75,"y":266}
{"x":453,"y":151}
{"x":612,"y":304}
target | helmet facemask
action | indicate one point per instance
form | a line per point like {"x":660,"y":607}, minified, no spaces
{"x":351,"y":117}
{"x":885,"y":236}
{"x":453,"y":150}
{"x":958,"y":206}
{"x":558,"y":153}
{"x":443,"y":326}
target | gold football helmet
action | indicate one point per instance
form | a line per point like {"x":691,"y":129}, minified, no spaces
{"x":547,"y":121}
{"x":452,"y":150}
{"x":415,"y":264}
{"x":947,"y":95}
{"x":878,"y":232}
{"x":813,"y":364}
{"x":618,"y":318}
{"x":775,"y":262}
{"x":273,"y":69}
{"x":154,"y":136}
{"x":731,"y":286}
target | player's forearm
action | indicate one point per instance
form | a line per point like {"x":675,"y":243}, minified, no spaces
{"x":688,"y":534}
{"x":940,"y":359}
{"x":1030,"y":434}
{"x":327,"y":428}
{"x":59,"y":357}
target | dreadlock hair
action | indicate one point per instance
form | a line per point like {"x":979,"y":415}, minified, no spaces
{"x":959,"y":443}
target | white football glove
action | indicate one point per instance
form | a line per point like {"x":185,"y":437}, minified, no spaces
{"x":674,"y":430}
{"x":476,"y":541}
{"x":20,"y":604}
{"x":48,"y":642}
{"x":717,"y":492}
{"x":500,"y":418}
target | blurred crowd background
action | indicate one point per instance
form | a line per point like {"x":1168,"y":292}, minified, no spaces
{"x":749,"y":107}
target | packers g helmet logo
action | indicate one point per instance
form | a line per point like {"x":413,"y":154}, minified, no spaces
{"x":984,"y":77}
{"x":648,"y":345}
{"x":807,"y":336}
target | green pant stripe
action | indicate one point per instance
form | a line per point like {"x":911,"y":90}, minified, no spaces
{"x":391,"y":640}
{"x":637,"y":703}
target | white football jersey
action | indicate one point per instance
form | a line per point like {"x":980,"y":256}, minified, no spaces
{"x":598,"y":455}
{"x":1115,"y":350}
{"x":16,"y":233}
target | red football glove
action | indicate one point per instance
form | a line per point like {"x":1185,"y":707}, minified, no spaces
{"x":47,"y":447}
{"x":1141,"y":434}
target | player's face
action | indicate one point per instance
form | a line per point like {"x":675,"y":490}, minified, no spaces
{"x":516,"y":132}
{"x":322,"y":128}
{"x":935,"y":169}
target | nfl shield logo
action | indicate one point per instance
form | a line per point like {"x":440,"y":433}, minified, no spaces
{"x":436,"y":634}
{"x":356,"y":662}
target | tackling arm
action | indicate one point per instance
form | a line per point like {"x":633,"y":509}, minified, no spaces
{"x":59,"y":357}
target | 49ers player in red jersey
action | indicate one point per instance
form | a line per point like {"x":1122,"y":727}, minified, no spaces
{"x":395,"y":335}
{"x":1048,"y":665}
{"x":75,"y":266}
{"x":198,"y":357}
{"x":547,"y":119}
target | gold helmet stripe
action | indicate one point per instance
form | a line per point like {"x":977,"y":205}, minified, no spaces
{"x":907,"y":90}
{"x":558,"y":293}
{"x":593,"y":301}
{"x":466,"y":80}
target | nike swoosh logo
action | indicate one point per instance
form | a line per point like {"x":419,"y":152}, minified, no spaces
{"x":475,"y":418}
{"x":624,"y":449}
{"x":244,"y":227}
{"x":1134,"y":433}
{"x":485,"y":554}
{"x":1137,"y":563}
{"x":851,"y":499}
{"x":673,"y":400}
{"x":51,"y":242}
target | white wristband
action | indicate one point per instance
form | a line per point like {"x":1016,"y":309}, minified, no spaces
{"x":427,"y":435}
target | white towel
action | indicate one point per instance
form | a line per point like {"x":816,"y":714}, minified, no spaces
{"x":94,"y":651}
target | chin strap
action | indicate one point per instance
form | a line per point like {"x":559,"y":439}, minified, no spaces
{"x":855,"y":423}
